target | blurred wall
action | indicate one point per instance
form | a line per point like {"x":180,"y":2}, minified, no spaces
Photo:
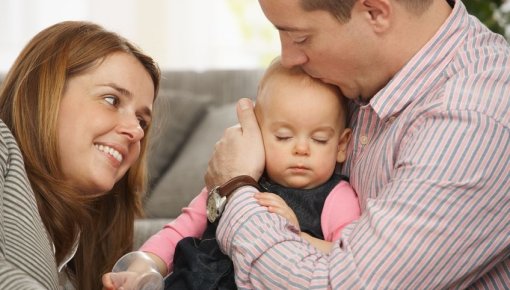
{"x":179,"y":34}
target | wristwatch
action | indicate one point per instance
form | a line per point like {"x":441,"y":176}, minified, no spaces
{"x":217,"y":198}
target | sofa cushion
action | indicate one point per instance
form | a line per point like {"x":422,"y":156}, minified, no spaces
{"x":185,"y":178}
{"x":176,"y":113}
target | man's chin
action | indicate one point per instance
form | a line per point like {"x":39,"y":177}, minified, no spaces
{"x":328,"y":81}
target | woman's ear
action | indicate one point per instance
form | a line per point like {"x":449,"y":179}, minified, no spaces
{"x":343,"y":142}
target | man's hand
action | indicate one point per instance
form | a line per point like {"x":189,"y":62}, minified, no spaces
{"x":240,"y":151}
{"x":275,"y":204}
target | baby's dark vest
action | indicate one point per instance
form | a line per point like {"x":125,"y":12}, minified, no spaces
{"x":307,"y":204}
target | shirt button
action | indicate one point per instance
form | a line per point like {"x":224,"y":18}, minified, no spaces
{"x":363,"y":140}
{"x":391,"y":119}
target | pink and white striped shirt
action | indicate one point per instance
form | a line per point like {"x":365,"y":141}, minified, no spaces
{"x":430,"y":161}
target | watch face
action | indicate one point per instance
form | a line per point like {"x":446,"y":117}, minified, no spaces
{"x":212,"y":211}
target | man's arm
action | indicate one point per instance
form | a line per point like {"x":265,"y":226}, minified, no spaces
{"x":441,"y":229}
{"x":321,"y":245}
{"x":275,"y":204}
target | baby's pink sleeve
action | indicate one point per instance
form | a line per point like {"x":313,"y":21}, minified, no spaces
{"x":340,"y":209}
{"x":190,"y":223}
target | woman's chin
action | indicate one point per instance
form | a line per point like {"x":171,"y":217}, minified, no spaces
{"x":98,"y":189}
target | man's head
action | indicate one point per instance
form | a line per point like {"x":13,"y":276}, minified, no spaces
{"x":357,"y":45}
{"x":302,"y":121}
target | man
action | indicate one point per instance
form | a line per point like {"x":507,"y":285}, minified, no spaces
{"x":429,"y":158}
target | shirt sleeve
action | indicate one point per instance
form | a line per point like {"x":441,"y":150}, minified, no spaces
{"x":438,"y":221}
{"x":26,"y":257}
{"x":11,"y":277}
{"x":340,"y":209}
{"x":190,"y":223}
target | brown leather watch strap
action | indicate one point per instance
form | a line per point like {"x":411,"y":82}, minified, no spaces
{"x":230,"y":186}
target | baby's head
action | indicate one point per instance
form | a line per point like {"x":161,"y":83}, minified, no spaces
{"x":303,"y":124}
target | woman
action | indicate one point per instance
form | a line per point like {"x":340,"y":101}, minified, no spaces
{"x":78,"y":102}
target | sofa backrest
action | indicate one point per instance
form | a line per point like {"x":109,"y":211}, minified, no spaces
{"x":224,"y":86}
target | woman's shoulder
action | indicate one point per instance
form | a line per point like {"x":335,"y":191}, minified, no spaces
{"x":10,"y":153}
{"x":23,"y":233}
{"x":5,"y":138}
{"x":7,"y":141}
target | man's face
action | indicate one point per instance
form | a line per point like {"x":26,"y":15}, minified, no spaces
{"x":343,"y":54}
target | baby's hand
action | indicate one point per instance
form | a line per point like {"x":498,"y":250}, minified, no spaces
{"x":275,"y":204}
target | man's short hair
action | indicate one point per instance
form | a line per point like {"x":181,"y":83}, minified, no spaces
{"x":341,"y":9}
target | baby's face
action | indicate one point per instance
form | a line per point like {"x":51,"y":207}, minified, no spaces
{"x":301,"y":124}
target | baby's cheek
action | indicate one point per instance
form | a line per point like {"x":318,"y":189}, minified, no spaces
{"x":324,"y":170}
{"x":275,"y":165}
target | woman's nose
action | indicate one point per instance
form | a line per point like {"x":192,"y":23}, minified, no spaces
{"x":131,"y":129}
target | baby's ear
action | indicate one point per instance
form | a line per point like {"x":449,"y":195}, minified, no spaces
{"x":343,"y":142}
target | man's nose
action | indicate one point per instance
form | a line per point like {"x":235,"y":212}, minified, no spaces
{"x":291,"y":55}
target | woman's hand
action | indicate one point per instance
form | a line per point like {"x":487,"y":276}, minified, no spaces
{"x":113,"y":281}
{"x":128,"y":280}
{"x":134,"y":271}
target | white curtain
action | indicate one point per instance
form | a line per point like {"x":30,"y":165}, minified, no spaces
{"x":179,"y":34}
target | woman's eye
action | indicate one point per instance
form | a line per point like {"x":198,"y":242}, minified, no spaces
{"x":143,"y":123}
{"x":112,"y":100}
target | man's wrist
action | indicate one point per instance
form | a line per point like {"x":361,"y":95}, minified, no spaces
{"x":227,"y":188}
{"x":218,"y":196}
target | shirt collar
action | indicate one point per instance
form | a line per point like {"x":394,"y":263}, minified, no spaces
{"x":69,"y":255}
{"x":426,"y":66}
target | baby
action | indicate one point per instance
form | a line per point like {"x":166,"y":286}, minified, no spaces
{"x":303,"y":125}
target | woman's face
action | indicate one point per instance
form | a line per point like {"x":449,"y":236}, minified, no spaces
{"x":101,"y":122}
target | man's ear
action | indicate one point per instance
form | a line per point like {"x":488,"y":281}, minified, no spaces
{"x":343,"y":142}
{"x":379,"y":13}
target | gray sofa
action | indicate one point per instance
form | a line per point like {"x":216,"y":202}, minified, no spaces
{"x":191,"y":112}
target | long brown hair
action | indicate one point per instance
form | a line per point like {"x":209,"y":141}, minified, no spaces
{"x":29,"y":102}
